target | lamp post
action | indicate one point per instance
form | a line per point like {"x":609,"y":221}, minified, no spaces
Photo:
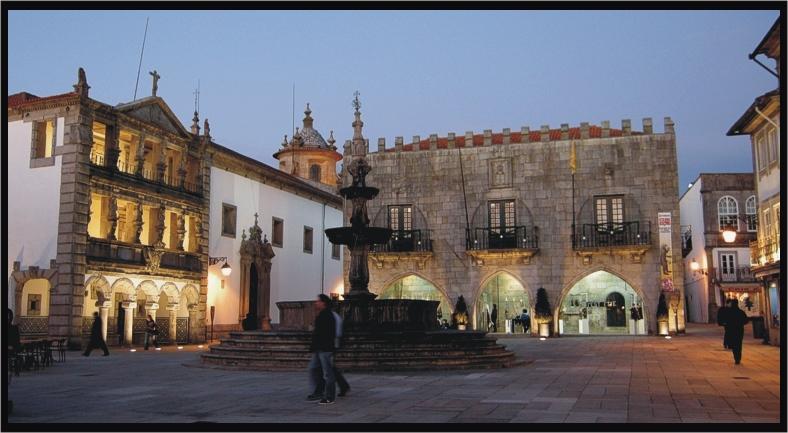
{"x":226,"y":268}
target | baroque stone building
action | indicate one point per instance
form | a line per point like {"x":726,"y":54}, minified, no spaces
{"x":495,"y":216}
{"x":121,"y":210}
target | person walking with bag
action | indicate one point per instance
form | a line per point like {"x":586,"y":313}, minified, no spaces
{"x":151,"y":332}
{"x":734,"y":329}
{"x":96,"y":339}
{"x":344,"y":387}
{"x":323,"y":347}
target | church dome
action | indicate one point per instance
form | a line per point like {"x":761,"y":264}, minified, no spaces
{"x":308,"y":136}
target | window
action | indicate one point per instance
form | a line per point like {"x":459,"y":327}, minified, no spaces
{"x":278,"y":232}
{"x":33,"y":305}
{"x":767,"y":226}
{"x":609,"y":212}
{"x":728,"y":213}
{"x":228,"y":220}
{"x":335,"y":251}
{"x":314,"y":172}
{"x":43,"y":139}
{"x":777,"y":219}
{"x":308,"y":239}
{"x":728,"y":266}
{"x":401,"y":217}
{"x":761,"y":150}
{"x":771,"y":140}
{"x":751,"y":209}
{"x":502,"y":215}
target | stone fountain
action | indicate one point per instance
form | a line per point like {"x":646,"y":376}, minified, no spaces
{"x":391,"y":334}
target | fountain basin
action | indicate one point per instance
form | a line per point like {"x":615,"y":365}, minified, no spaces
{"x":363,"y":236}
{"x":366,"y":192}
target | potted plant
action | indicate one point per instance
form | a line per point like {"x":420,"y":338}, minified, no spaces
{"x":460,"y":316}
{"x":543,"y":313}
{"x":662,"y":315}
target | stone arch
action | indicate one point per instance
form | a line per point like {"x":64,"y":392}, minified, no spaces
{"x":446,"y":307}
{"x":149,"y":288}
{"x":571,"y":284}
{"x":35,"y":286}
{"x":171,"y":290}
{"x":189,"y":295}
{"x":125,"y":286}
{"x":523,"y":215}
{"x":419,"y":221}
{"x":20,"y":277}
{"x":477,"y":293}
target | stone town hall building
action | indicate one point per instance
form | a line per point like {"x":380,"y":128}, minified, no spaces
{"x":490,"y":216}
{"x":121,"y":210}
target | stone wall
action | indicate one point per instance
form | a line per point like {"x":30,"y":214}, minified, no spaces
{"x":536,"y":173}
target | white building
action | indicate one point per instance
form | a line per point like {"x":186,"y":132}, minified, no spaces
{"x":713,"y":268}
{"x":122,"y":210}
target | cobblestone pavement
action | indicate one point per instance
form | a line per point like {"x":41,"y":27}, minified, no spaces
{"x":571,"y":379}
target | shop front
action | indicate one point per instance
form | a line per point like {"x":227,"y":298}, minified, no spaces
{"x":602,"y":304}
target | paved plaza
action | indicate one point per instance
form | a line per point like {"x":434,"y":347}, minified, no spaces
{"x":570,"y":379}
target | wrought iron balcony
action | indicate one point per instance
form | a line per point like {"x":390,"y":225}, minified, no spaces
{"x":122,"y":253}
{"x":146,"y":174}
{"x":623,"y":234}
{"x":493,"y":238}
{"x":742,"y":274}
{"x":406,"y":241}
{"x":686,"y":240}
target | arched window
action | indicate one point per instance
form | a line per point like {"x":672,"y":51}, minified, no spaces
{"x":616,"y":309}
{"x":751,"y":209}
{"x":727,"y":213}
{"x":314,"y":172}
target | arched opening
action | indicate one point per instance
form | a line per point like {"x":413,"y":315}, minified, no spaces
{"x":501,"y":300}
{"x":314,"y":172}
{"x":253,"y":293}
{"x":415,"y":287}
{"x":602,"y":303}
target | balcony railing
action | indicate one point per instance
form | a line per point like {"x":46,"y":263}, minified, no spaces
{"x":742,"y":274}
{"x":494,"y":238}
{"x":133,"y":254}
{"x":763,"y":252}
{"x":624,"y":234}
{"x":406,"y":241}
{"x":147,"y":174}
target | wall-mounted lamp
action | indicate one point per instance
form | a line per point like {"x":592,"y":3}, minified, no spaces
{"x":226,"y":269}
{"x":695,"y":267}
{"x":729,"y":235}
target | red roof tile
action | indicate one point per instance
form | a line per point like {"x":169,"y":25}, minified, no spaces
{"x":514,"y":137}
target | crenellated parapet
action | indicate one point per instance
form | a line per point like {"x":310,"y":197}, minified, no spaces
{"x":508,"y":136}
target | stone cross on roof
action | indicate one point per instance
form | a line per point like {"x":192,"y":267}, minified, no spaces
{"x":156,"y":77}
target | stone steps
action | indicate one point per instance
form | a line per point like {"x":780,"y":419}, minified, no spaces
{"x":432,"y":350}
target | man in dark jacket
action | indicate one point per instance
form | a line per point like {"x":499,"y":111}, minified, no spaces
{"x":494,"y":318}
{"x":322,"y":348}
{"x":734,"y":329}
{"x":96,"y":340}
{"x":722,"y":317}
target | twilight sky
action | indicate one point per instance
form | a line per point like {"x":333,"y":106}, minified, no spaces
{"x":418,"y":72}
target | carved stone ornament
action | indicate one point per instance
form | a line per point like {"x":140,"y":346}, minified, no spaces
{"x":153,"y":257}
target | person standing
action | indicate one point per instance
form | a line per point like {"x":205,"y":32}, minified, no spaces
{"x":322,"y":348}
{"x":525,"y":319}
{"x":494,"y":318}
{"x":151,"y":332}
{"x":96,"y":339}
{"x":734,"y":329}
{"x":722,"y":318}
{"x":344,"y":387}
{"x":121,"y":322}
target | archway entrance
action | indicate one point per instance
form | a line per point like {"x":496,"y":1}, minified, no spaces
{"x":414,"y":287}
{"x":501,"y":300}
{"x":253,"y":292}
{"x":256,"y":255}
{"x":601,"y":303}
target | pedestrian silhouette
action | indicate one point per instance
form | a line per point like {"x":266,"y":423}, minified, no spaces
{"x":734,"y":328}
{"x":96,"y":340}
{"x":722,"y":318}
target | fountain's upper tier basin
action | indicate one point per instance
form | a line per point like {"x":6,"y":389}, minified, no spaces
{"x":352,"y":192}
{"x":364,"y":236}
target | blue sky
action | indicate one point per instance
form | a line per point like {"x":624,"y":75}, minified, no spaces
{"x":418,"y":72}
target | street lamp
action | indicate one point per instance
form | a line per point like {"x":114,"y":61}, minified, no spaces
{"x":226,"y":269}
{"x":729,"y":235}
{"x":694,"y":266}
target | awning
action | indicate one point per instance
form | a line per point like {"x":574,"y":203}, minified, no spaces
{"x":756,"y":289}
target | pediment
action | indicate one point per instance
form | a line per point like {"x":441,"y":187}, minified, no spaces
{"x":155,"y":111}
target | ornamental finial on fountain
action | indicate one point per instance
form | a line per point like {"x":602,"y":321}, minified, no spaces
{"x":359,"y":145}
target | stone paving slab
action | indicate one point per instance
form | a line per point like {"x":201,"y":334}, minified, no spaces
{"x":571,"y":379}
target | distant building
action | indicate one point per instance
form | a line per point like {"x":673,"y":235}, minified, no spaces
{"x":761,"y":121}
{"x":121,"y":210}
{"x":715,"y":270}
{"x":493,"y":217}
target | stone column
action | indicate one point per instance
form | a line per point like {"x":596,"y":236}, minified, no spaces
{"x":112,"y":149}
{"x":162,"y":165}
{"x":140,"y":158}
{"x":122,"y":213}
{"x":172,"y":310}
{"x":181,"y":230}
{"x":128,"y":320}
{"x":112,"y":217}
{"x":198,"y":235}
{"x":182,"y":169}
{"x":104,"y":314}
{"x":160,"y":221}
{"x":138,"y":223}
{"x":194,"y":327}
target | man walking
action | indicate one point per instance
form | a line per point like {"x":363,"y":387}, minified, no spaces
{"x":322,"y":348}
{"x":151,"y":332}
{"x":525,"y":320}
{"x":96,"y":340}
{"x":734,"y":329}
{"x":344,"y":387}
{"x":722,"y":318}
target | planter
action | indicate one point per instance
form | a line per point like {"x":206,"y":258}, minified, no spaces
{"x":544,"y":329}
{"x":461,"y":327}
{"x":663,"y":328}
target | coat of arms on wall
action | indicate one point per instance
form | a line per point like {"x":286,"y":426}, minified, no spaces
{"x":153,"y":257}
{"x":500,"y":173}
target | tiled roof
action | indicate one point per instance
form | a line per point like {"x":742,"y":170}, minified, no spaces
{"x":23,"y":98}
{"x":514,"y":137}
